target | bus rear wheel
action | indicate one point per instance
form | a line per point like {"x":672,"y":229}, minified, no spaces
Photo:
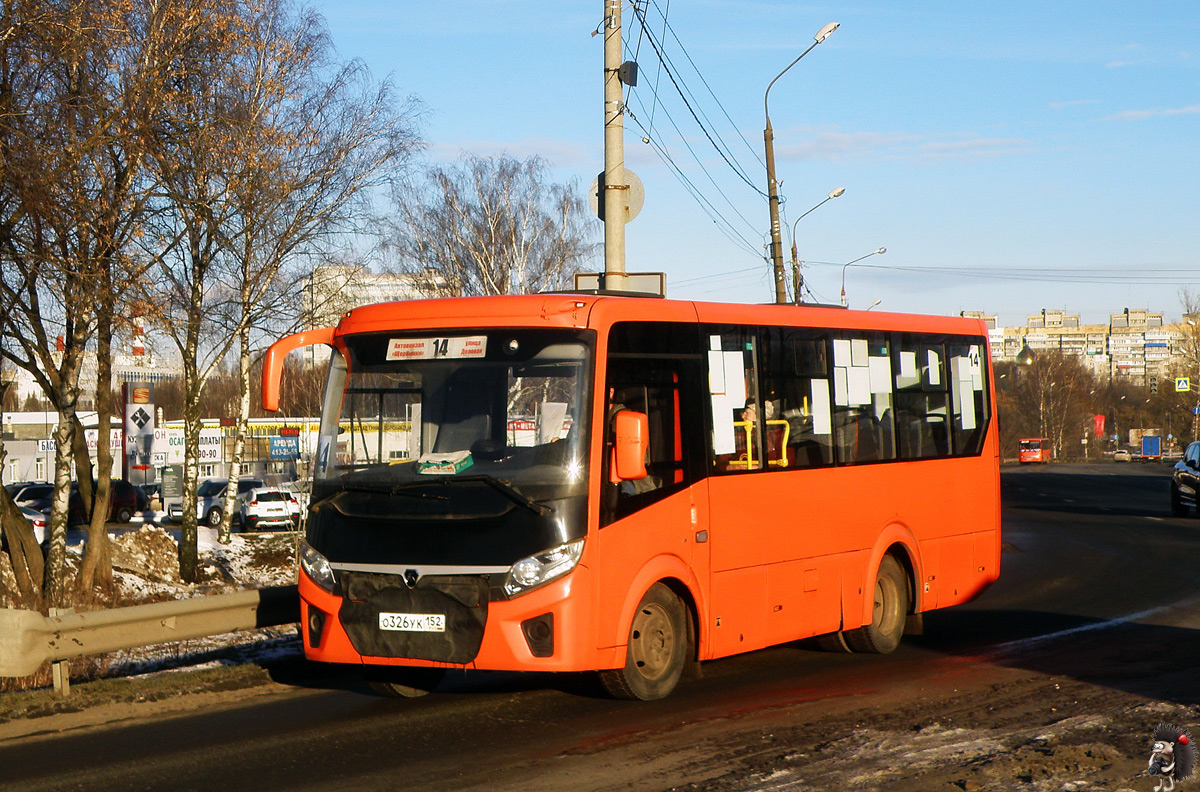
{"x":890,"y":610}
{"x":403,"y":682}
{"x":657,"y":650}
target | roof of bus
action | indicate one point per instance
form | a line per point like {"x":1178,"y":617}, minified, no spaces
{"x":583,"y":310}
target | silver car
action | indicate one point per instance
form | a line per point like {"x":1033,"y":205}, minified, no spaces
{"x":210,"y":500}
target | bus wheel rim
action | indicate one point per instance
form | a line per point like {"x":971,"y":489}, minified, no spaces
{"x":653,"y":641}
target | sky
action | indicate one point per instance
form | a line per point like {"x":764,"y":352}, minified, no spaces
{"x":1009,"y":156}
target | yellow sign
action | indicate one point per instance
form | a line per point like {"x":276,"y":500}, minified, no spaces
{"x":1182,"y":384}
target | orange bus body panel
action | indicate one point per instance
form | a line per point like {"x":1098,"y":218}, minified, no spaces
{"x":760,"y":558}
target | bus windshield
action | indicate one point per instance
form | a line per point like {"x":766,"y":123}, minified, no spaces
{"x":426,"y":435}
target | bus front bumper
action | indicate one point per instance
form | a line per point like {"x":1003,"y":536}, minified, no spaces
{"x":547,"y":629}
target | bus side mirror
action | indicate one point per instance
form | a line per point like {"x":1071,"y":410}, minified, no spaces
{"x":278,"y":352}
{"x":632,"y":438}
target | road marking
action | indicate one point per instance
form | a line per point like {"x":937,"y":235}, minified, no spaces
{"x":1012,"y":647}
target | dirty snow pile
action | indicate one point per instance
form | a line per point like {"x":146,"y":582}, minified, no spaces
{"x":146,"y":569}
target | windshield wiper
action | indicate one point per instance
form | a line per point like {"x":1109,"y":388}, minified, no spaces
{"x":508,"y":491}
{"x":379,"y":489}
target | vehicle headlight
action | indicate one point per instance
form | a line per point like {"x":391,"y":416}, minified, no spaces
{"x":316,"y":566}
{"x":539,"y":569}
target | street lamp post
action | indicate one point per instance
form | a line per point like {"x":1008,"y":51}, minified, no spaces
{"x":772,"y":185}
{"x":876,"y":252}
{"x":797,"y":280}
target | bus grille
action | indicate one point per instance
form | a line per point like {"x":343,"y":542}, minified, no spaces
{"x":462,"y":599}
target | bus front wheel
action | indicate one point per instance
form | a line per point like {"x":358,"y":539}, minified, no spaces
{"x":403,"y":682}
{"x":657,"y":650}
{"x":890,"y":609}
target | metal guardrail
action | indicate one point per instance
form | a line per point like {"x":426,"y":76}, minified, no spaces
{"x":28,"y":639}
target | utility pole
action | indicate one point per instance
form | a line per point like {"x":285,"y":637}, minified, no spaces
{"x":614,"y":182}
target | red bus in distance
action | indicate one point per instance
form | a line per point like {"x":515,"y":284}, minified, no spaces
{"x":1035,"y":450}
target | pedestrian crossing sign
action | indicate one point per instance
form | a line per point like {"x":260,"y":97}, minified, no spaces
{"x":1183,"y":384}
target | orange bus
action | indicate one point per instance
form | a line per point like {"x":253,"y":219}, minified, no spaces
{"x":633,"y":485}
{"x":1034,"y":450}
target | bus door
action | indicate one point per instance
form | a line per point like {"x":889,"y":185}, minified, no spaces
{"x":653,"y":526}
{"x":776,"y":560}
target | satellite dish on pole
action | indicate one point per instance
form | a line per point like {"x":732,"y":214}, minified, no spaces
{"x":635,"y":196}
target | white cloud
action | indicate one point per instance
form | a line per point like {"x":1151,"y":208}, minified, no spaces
{"x":1158,"y":112}
{"x":836,"y":146}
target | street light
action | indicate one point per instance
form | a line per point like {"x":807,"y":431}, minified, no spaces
{"x":797,"y":281}
{"x":877,"y":252}
{"x":772,"y":185}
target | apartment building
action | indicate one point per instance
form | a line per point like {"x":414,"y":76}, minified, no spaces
{"x":1136,"y":344}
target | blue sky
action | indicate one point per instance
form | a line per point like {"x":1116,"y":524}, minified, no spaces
{"x":987,"y":146}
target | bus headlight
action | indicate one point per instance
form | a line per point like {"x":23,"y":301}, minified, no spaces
{"x":539,"y":569}
{"x":316,"y":566}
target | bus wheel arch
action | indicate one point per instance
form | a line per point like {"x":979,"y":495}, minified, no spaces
{"x":891,"y":600}
{"x":658,"y":647}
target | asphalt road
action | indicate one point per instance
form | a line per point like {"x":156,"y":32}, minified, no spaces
{"x":1099,"y":592}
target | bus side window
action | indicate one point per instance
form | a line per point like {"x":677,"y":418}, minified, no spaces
{"x":967,"y":366}
{"x":737,"y":420}
{"x":795,"y":382}
{"x":922,"y":410}
{"x":864,"y":418}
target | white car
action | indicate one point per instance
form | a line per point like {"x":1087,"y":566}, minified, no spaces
{"x":269,"y":507}
{"x":37,"y":521}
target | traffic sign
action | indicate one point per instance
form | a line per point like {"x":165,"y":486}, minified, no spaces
{"x":1183,"y":384}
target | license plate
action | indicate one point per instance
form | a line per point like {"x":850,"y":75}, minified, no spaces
{"x":412,"y":622}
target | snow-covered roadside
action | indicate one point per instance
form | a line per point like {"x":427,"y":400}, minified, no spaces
{"x":146,"y":569}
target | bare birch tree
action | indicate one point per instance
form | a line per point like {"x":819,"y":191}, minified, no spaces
{"x":494,"y":225}
{"x":316,"y":143}
{"x":77,"y":83}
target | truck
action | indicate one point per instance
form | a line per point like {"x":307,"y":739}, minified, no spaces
{"x":1151,"y":448}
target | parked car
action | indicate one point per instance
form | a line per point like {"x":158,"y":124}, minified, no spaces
{"x":37,"y":521}
{"x":269,"y":507}
{"x":1122,"y":455}
{"x":153,"y":491}
{"x":125,"y":500}
{"x":26,"y":493}
{"x":1185,"y":481}
{"x":210,"y":500}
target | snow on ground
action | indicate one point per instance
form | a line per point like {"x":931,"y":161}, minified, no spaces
{"x":247,"y":561}
{"x":146,"y":569}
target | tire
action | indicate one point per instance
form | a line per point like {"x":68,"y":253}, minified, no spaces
{"x":833,"y":642}
{"x":657,"y":650}
{"x":892,"y":599}
{"x":214,"y":517}
{"x":1178,"y":507}
{"x":393,"y":682}
{"x":124,"y":514}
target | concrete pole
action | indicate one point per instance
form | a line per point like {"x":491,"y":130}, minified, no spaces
{"x":615,"y":187}
{"x":773,"y":202}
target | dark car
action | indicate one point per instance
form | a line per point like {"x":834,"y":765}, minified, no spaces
{"x":28,"y":493}
{"x":125,"y":500}
{"x":1185,"y":481}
